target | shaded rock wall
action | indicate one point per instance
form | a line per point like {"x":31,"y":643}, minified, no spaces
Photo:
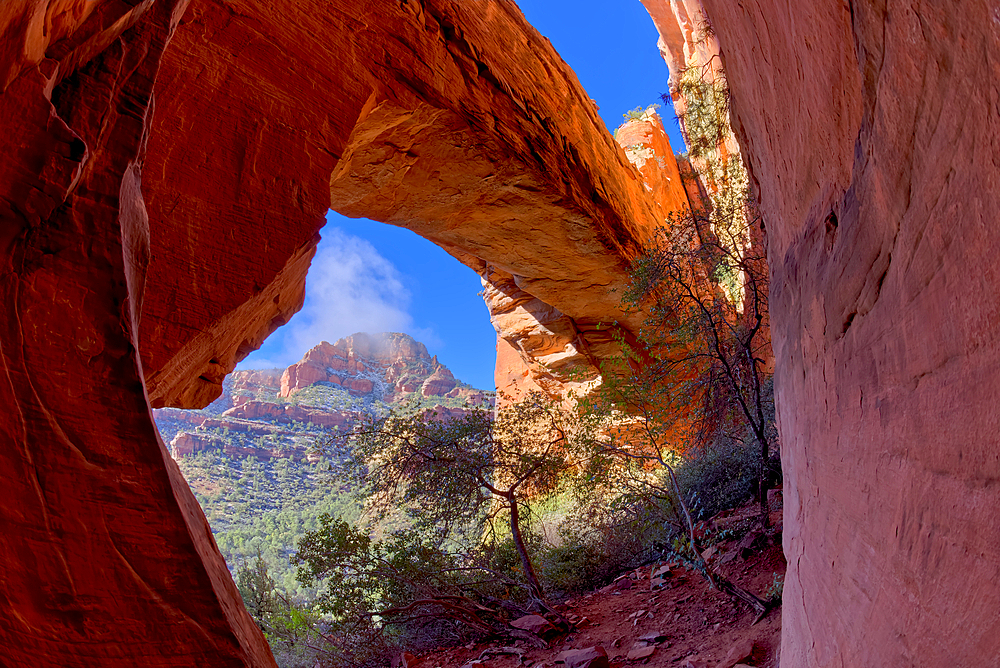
{"x":107,"y":558}
{"x":872,"y":130}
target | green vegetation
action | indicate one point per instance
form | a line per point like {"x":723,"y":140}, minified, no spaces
{"x":465,"y":557}
{"x":638,"y":112}
{"x":262,"y":508}
{"x":688,"y":405}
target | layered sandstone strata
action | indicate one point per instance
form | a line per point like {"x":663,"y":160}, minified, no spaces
{"x":454,"y":119}
{"x":540,"y":348}
{"x":107,"y":558}
{"x":391,"y":365}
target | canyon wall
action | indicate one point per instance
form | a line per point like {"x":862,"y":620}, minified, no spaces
{"x":166,"y":172}
{"x":871,"y":130}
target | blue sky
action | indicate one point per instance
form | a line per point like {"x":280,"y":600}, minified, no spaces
{"x":369,"y":276}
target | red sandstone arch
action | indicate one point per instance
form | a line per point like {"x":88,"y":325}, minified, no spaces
{"x":170,"y":168}
{"x":456,"y":120}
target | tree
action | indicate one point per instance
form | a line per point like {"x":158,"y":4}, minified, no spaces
{"x":703,"y":284}
{"x":289,"y":628}
{"x":696,"y":371}
{"x":460,"y":488}
{"x":702,"y":362}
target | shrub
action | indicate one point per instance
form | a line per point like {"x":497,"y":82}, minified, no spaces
{"x":638,"y":112}
{"x":720,"y":476}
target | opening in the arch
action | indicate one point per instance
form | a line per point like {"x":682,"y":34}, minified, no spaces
{"x":371,"y":277}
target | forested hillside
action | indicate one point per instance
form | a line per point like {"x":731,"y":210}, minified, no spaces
{"x":251,"y":457}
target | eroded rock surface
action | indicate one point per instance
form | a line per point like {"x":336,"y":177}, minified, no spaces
{"x":872,"y":133}
{"x":107,"y":557}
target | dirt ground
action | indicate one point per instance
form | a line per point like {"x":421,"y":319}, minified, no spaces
{"x":683,"y":620}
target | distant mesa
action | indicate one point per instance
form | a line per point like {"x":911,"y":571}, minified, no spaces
{"x":390,"y":365}
{"x":265,"y":412}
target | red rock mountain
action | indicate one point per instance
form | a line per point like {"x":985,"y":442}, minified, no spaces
{"x":387,"y":368}
{"x":390,"y":365}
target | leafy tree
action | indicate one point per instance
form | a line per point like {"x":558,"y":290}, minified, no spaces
{"x":469,"y":475}
{"x":696,"y":374}
{"x":701,"y":362}
{"x":701,"y":368}
{"x":463,"y":486}
{"x":290,"y":628}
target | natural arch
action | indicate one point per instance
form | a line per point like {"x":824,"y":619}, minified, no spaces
{"x":870,"y":129}
{"x":173,"y":168}
{"x":456,"y":120}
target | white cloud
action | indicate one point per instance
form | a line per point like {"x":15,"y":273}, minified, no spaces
{"x":350,"y":288}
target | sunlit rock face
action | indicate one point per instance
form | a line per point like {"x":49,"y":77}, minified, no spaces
{"x":648,"y":148}
{"x":872,"y":132}
{"x":456,"y":120}
{"x":150,"y":246}
{"x":390,"y":366}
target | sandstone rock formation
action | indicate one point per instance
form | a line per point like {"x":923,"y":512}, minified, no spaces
{"x":456,"y":120}
{"x":150,"y":247}
{"x":648,"y":148}
{"x":439,"y":383}
{"x":539,"y":348}
{"x":107,"y":558}
{"x":374,"y":369}
{"x":871,"y":131}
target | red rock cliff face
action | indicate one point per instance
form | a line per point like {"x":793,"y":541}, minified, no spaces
{"x":392,"y":365}
{"x":107,"y":558}
{"x":872,"y":131}
{"x":149,"y":247}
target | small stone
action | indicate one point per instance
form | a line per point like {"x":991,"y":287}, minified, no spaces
{"x":660,"y":572}
{"x":533,"y":624}
{"x":741,"y":650}
{"x":692,"y":662}
{"x":638,"y":653}
{"x":589,"y":657}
